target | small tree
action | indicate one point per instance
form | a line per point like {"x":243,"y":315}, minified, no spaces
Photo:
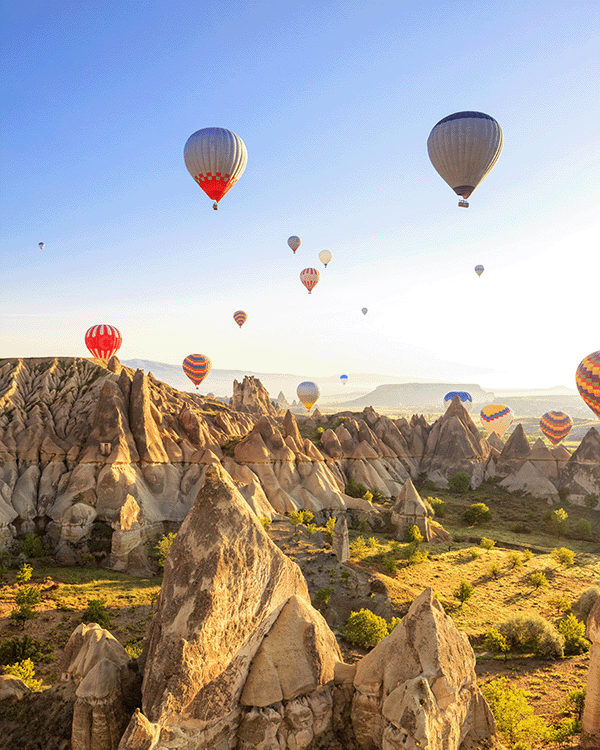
{"x":496,"y":642}
{"x":464,"y":592}
{"x":295,"y":518}
{"x":323,"y":596}
{"x":574,"y":633}
{"x":559,"y":521}
{"x":28,"y":596}
{"x":266,"y":522}
{"x":514,"y":561}
{"x":96,"y":612}
{"x":414,"y":535}
{"x":576,"y":698}
{"x":162,"y":547}
{"x":487,"y":544}
{"x":24,"y":670}
{"x":563,"y":556}
{"x":460,"y":483}
{"x":495,"y":572}
{"x":514,"y":716}
{"x":583,"y":529}
{"x":24,"y":573}
{"x":538,"y":580}
{"x":477,"y":514}
{"x":439,"y":506}
{"x":328,"y":531}
{"x":364,"y":628}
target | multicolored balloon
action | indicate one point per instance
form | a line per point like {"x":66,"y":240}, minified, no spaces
{"x":587,"y":379}
{"x":556,"y":425}
{"x":344,"y":379}
{"x":103,"y":341}
{"x":325,"y":256}
{"x":308,"y":392}
{"x":196,"y":367}
{"x":479,"y":270}
{"x":41,"y":245}
{"x":496,"y":418}
{"x":216,"y":158}
{"x":463,"y":149}
{"x":465,"y":399}
{"x":310,"y":278}
{"x":240,"y":317}
{"x":365,"y":310}
{"x":294,"y":242}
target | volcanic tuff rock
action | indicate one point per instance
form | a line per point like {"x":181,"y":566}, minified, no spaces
{"x":581,"y":474}
{"x":530,"y":480}
{"x":515,"y":452}
{"x":251,"y":397}
{"x":590,"y":736}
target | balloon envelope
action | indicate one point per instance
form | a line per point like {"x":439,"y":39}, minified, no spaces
{"x":556,"y":425}
{"x":344,"y":379}
{"x":196,"y":367}
{"x":216,"y":158}
{"x":496,"y":418}
{"x":308,"y":393}
{"x":103,"y":341}
{"x":587,"y":379}
{"x":310,"y":278}
{"x":325,"y":256}
{"x":365,"y":310}
{"x":41,"y":245}
{"x":240,"y":317}
{"x":463,"y":148}
{"x":479,"y":270}
{"x":465,"y":398}
{"x":294,"y":242}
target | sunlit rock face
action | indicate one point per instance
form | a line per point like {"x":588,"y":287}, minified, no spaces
{"x":581,"y":473}
{"x":590,"y":736}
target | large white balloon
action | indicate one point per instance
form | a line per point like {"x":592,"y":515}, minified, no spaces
{"x":325,"y":256}
{"x":463,"y":148}
{"x":308,"y":392}
{"x":216,"y":158}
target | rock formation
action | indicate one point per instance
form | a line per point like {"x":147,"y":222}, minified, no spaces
{"x":341,"y":539}
{"x":514,"y":454}
{"x":590,"y":735}
{"x":410,"y":510}
{"x":531,"y":481}
{"x":251,"y":397}
{"x":581,"y":474}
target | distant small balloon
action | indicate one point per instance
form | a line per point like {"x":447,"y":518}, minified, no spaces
{"x":556,"y":425}
{"x":308,"y":392}
{"x":496,"y":418}
{"x":310,"y":278}
{"x":465,"y":399}
{"x":240,"y":317}
{"x":325,"y":256}
{"x":41,"y":245}
{"x":196,"y":367}
{"x":479,"y":270}
{"x":344,"y":379}
{"x":365,"y":310}
{"x":294,"y":242}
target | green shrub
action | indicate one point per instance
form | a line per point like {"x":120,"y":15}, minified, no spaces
{"x":414,"y":535}
{"x":532,"y":634}
{"x":311,"y":528}
{"x":583,"y":529}
{"x":576,"y":698}
{"x":428,"y":486}
{"x":514,"y":716}
{"x":295,"y":518}
{"x":563,"y":556}
{"x":495,"y":572}
{"x":487,"y":544}
{"x":538,"y":579}
{"x":31,"y":545}
{"x":372,"y":543}
{"x":414,"y":554}
{"x":358,"y":547}
{"x":390,"y":565}
{"x":134,"y":650}
{"x":527,"y":555}
{"x":162,"y":547}
{"x":24,"y":670}
{"x":559,"y":602}
{"x":574,"y":634}
{"x":476,"y":514}
{"x":566,"y":728}
{"x":23,"y":613}
{"x":583,"y":606}
{"x":307,"y":516}
{"x":96,"y":612}
{"x":24,"y":573}
{"x":514,"y":561}
{"x":591,"y":500}
{"x":563,"y":495}
{"x":323,"y":596}
{"x":474,"y":553}
{"x":460,"y":483}
{"x":364,"y":628}
{"x":495,"y":642}
{"x":265,"y":522}
{"x":393,"y":622}
{"x":520,"y":528}
{"x":378,"y":497}
{"x":439,"y":506}
{"x":17,"y":649}
{"x":464,"y":592}
{"x":320,"y":431}
{"x":559,"y":521}
{"x":355,"y":489}
{"x":328,"y":530}
{"x":28,"y":595}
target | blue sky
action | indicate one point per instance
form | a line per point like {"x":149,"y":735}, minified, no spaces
{"x":335,"y":101}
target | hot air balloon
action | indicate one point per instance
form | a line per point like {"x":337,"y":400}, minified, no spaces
{"x":344,"y":379}
{"x":103,"y":341}
{"x":294,"y":242}
{"x":556,"y":425}
{"x":216,"y":158}
{"x":41,"y":245}
{"x":465,"y":399}
{"x":496,"y":418}
{"x":479,"y":270}
{"x":365,"y":310}
{"x":325,"y":256}
{"x":463,"y":148}
{"x":587,"y":378}
{"x":308,"y":393}
{"x":196,"y":367}
{"x":310,"y":278}
{"x":240,"y":317}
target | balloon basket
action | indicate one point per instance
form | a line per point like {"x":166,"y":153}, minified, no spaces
{"x":463,"y":204}
{"x":216,"y":206}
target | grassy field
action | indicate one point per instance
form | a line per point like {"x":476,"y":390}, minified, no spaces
{"x":500,"y":578}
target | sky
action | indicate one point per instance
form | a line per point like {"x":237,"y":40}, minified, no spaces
{"x":335,"y":102}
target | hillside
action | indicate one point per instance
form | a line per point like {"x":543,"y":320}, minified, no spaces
{"x":423,"y":395}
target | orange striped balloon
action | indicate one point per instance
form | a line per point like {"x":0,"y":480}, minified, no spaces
{"x":587,"y":379}
{"x":240,"y":317}
{"x":556,"y":425}
{"x":310,"y":278}
{"x":196,"y":367}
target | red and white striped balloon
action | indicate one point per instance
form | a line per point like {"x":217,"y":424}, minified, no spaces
{"x":103,"y":341}
{"x":310,"y":278}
